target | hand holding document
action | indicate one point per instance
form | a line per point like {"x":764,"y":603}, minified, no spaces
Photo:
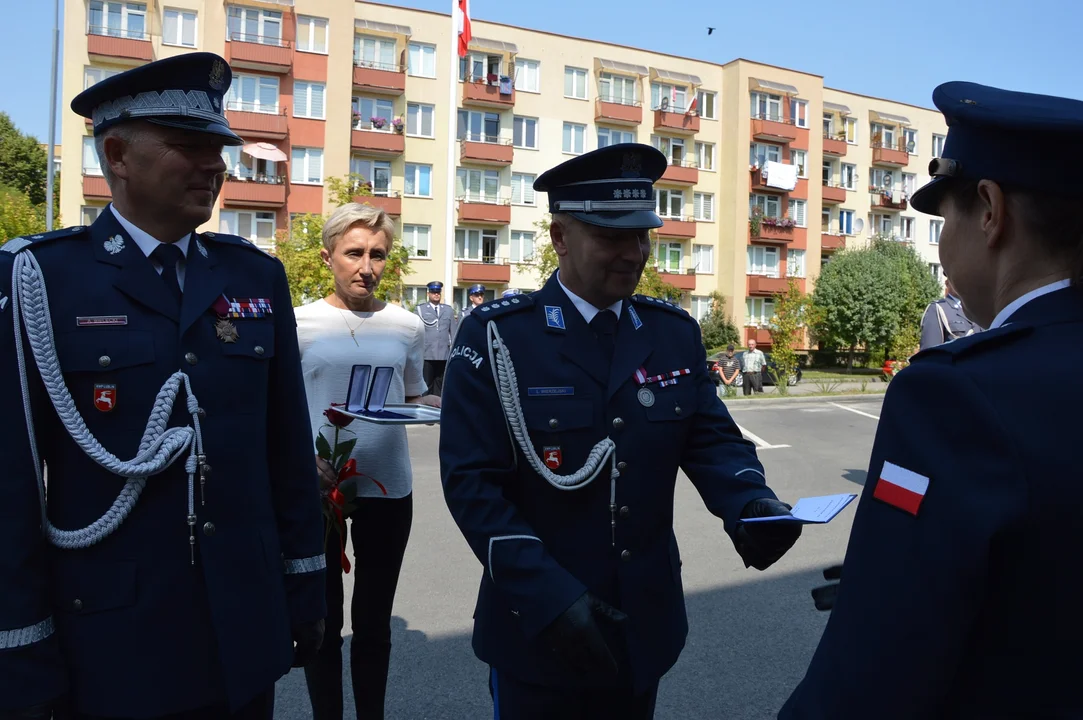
{"x":811,"y":511}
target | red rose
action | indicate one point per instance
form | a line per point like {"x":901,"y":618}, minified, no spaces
{"x":336,"y":418}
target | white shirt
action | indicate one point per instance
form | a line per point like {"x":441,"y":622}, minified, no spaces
{"x":149,"y":244}
{"x":585,"y":309}
{"x":1022,"y":300}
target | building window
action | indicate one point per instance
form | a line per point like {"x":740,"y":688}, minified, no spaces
{"x":829,"y":125}
{"x":414,"y":295}
{"x":477,"y":126}
{"x":766,"y":107}
{"x":368,"y":108}
{"x":672,"y":148}
{"x":910,"y":137}
{"x":117,"y":19}
{"x":760,"y":154}
{"x":795,"y":263}
{"x":575,"y":83}
{"x":94,"y":75}
{"x":882,"y":225}
{"x":880,"y":180}
{"x":574,"y":138}
{"x":375,"y":172}
{"x":90,"y":158}
{"x":799,"y":113}
{"x":243,"y":166}
{"x":522,"y":246}
{"x":418,"y":180}
{"x":759,"y":311}
{"x":610,"y":136}
{"x":525,"y":133}
{"x":797,"y":212}
{"x":419,"y":120}
{"x":249,"y":24}
{"x":527,"y":75}
{"x":848,"y":176}
{"x":825,"y":220}
{"x":522,"y":189}
{"x":90,"y":213}
{"x":910,"y":184}
{"x":256,"y":226}
{"x":421,"y":60}
{"x":846,"y":222}
{"x":934,"y":268}
{"x":883,"y":136}
{"x":849,"y":127}
{"x":768,"y":205}
{"x":669,"y":203}
{"x":374,"y":52}
{"x":703,"y":207}
{"x":935,"y":228}
{"x":669,"y":257}
{"x":307,"y":166}
{"x":179,"y":27}
{"x":762,"y":261}
{"x":908,"y":229}
{"x":706,"y":104}
{"x":938,"y":145}
{"x":800,"y":159}
{"x":703,"y":258}
{"x":701,"y":306}
{"x":478,"y":185}
{"x":618,"y":89}
{"x":308,"y":100}
{"x":253,"y":93}
{"x":311,"y":34}
{"x":828,"y":172}
{"x":673,"y":97}
{"x":418,"y":239}
{"x":705,"y":156}
{"x":479,"y":68}
{"x":474,"y":244}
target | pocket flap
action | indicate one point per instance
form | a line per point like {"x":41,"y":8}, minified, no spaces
{"x":98,"y":350}
{"x":554,"y":415}
{"x":673,"y":403}
{"x":255,"y":339}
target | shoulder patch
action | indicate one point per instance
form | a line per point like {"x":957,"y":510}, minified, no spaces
{"x":234,"y":240}
{"x":953,"y":350}
{"x":502,"y":306}
{"x":19,"y":244}
{"x":648,"y":301}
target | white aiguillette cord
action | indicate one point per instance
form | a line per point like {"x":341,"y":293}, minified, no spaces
{"x":507,"y":387}
{"x":159,"y":448}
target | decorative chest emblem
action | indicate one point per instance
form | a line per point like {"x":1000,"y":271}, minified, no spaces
{"x":105,"y":397}
{"x":114,"y":244}
{"x":226,"y":331}
{"x":552,"y":456}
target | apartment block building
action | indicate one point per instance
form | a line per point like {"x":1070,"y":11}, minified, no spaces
{"x":451,"y":146}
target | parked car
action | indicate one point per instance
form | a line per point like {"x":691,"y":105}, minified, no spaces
{"x":768,"y":377}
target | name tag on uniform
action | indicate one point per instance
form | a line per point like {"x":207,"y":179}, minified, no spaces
{"x":549,"y":391}
{"x":101,"y":320}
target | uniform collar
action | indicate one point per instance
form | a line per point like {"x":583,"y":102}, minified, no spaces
{"x":1022,"y":300}
{"x":585,"y":309}
{"x":146,"y":242}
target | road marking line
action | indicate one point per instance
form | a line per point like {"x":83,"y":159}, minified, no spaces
{"x":761,"y":444}
{"x":859,"y":412}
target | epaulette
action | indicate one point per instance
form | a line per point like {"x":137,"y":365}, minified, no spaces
{"x":499,"y":307}
{"x":16,"y":245}
{"x":234,"y":240}
{"x":648,"y":301}
{"x":953,"y":350}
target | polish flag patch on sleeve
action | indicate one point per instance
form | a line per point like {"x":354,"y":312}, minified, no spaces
{"x":901,"y":488}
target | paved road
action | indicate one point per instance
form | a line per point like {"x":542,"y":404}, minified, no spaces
{"x":751,"y":634}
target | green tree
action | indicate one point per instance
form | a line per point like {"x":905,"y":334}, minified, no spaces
{"x":916,"y":287}
{"x":794,"y":312}
{"x":716,"y":326}
{"x":19,"y":216}
{"x":23,"y":162}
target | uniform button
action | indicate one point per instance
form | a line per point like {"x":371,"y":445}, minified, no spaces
{"x":622,"y":466}
{"x":202,"y":413}
{"x":191,"y":358}
{"x":104,"y":360}
{"x":624,"y":512}
{"x":259,"y":350}
{"x":677,"y":409}
{"x":626,"y":555}
{"x":618,"y":423}
{"x":554,"y":423}
{"x":77,"y":605}
{"x":208,"y":529}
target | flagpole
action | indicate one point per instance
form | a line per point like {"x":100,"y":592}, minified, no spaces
{"x":49,"y":171}
{"x":452,"y":117}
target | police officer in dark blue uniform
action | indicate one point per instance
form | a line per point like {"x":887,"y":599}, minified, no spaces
{"x":960,"y":592}
{"x":154,"y":372}
{"x":566,"y":416}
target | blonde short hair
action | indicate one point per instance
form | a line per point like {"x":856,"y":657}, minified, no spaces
{"x":353,"y":214}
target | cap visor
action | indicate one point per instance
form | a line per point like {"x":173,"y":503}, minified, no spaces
{"x":927,"y":198}
{"x":205,"y":126}
{"x":634,"y":219}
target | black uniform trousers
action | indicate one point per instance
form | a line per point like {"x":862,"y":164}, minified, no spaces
{"x":514,"y":699}
{"x":433,"y":373}
{"x":262,"y":708}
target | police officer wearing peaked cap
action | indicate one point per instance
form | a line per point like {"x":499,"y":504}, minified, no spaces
{"x":439,"y":321}
{"x":187,"y":598}
{"x":581,"y":608}
{"x":476,"y":295}
{"x":960,"y":588}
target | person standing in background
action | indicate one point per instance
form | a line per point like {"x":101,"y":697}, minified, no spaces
{"x":752,"y":364}
{"x":729,"y":368}
{"x":476,"y":295}
{"x":945,"y":320}
{"x":439,"y":321}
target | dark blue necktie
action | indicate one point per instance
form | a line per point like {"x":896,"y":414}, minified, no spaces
{"x":168,"y":255}
{"x":604,"y":326}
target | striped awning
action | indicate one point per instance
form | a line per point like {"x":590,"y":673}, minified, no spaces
{"x":382,"y":27}
{"x":673,"y":76}
{"x":494,"y":45}
{"x":621,"y":67}
{"x":772,"y":86}
{"x":835,"y":107}
{"x":888,"y":118}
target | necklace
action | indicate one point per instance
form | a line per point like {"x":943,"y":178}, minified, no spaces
{"x":352,"y":329}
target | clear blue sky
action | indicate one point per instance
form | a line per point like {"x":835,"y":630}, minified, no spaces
{"x":899,"y":50}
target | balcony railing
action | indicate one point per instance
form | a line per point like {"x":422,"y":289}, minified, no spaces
{"x":486,"y":150}
{"x":834,"y":145}
{"x":484,"y":93}
{"x":893,"y":154}
{"x":258,"y":191}
{"x":377,"y":141}
{"x":381,"y":78}
{"x":274,"y":40}
{"x":775,"y":128}
{"x":119,"y":43}
{"x":830,"y":242}
{"x":678,"y":274}
{"x":484,"y":209}
{"x":618,"y":111}
{"x":257,"y":121}
{"x":388,"y":201}
{"x":677,"y":226}
{"x":888,"y":200}
{"x":486,"y":269}
{"x":260,"y":52}
{"x":833,"y":193}
{"x":676,"y":120}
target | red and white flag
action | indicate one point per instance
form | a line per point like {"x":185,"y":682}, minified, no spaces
{"x":692,"y":105}
{"x":462,"y":25}
{"x":902,"y":488}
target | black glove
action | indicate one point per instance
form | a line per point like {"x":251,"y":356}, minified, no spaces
{"x":308,"y":638}
{"x":825,"y":596}
{"x":762,"y":544}
{"x":576,"y":637}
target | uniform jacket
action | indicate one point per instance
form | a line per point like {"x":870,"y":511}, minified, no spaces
{"x":933,"y":331}
{"x":542,"y":547}
{"x":970,"y":609}
{"x":139,"y":630}
{"x":439,"y":329}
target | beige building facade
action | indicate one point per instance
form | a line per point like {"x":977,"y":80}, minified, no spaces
{"x":770,"y":172}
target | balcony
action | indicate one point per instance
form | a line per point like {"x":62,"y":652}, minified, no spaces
{"x":495,"y":271}
{"x":759,"y":183}
{"x":618,"y":113}
{"x":887,"y":201}
{"x":489,"y":151}
{"x":390,"y":203}
{"x":763,"y":285}
{"x":267,"y":193}
{"x":488,"y":95}
{"x":118,"y":46}
{"x":834,"y":146}
{"x":833,"y":194}
{"x":484,"y":211}
{"x":248,"y":122}
{"x":379,"y":78}
{"x":681,"y":280}
{"x":762,"y":336}
{"x":773,"y":129}
{"x":258,"y":52}
{"x":679,"y":122}
{"x":774,"y":230}
{"x":677,"y":227}
{"x":830,"y":242}
{"x":95,"y":188}
{"x":377,"y":142}
{"x":889,"y":156}
{"x":681,"y":173}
